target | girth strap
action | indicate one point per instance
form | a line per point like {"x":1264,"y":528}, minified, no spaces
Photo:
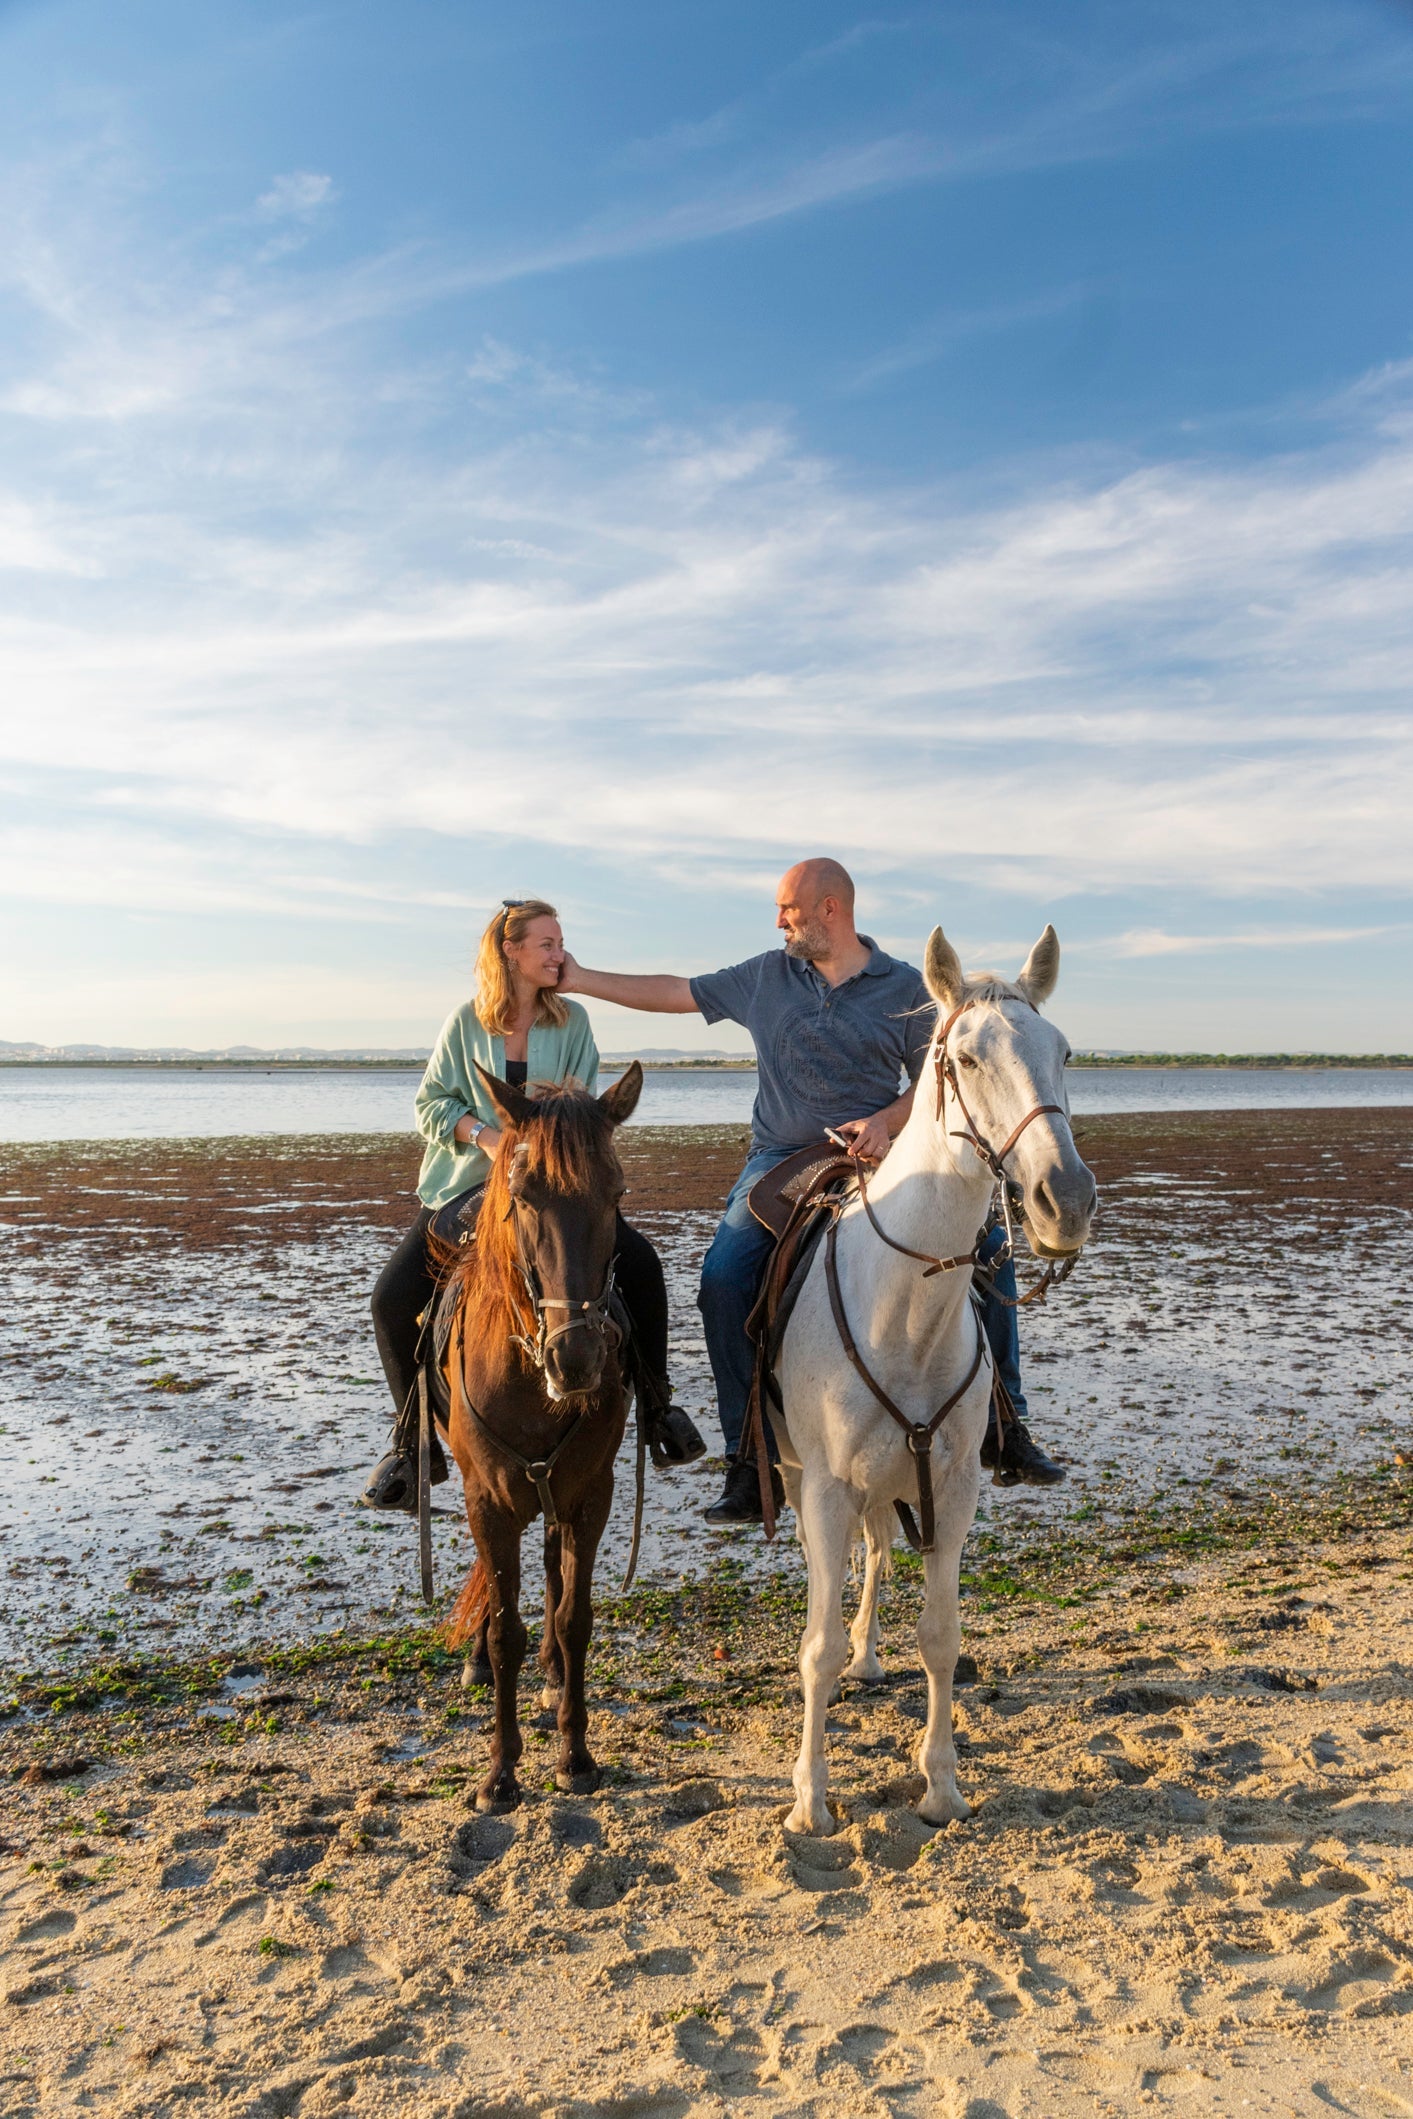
{"x":919,"y":1434}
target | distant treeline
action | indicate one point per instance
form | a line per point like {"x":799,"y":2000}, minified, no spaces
{"x":342,"y":1065}
{"x":1242,"y":1059}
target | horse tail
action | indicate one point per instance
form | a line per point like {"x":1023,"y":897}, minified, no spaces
{"x":469,"y":1609}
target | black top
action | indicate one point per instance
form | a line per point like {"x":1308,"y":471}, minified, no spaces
{"x":517,"y":1073}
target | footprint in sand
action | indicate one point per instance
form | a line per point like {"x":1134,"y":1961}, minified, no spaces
{"x":821,"y":1864}
{"x":1351,"y":1983}
{"x":601,"y":1882}
{"x":188,"y":1873}
{"x":478,"y":1843}
{"x":48,"y":1928}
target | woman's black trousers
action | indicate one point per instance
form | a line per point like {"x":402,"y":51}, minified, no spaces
{"x":407,"y":1284}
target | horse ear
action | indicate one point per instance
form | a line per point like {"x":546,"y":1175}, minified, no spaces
{"x":621,"y":1100}
{"x":1040,"y":973}
{"x":942,"y":969}
{"x":513,"y":1105}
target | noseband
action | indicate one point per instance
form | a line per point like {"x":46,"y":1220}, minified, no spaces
{"x":595,"y":1316}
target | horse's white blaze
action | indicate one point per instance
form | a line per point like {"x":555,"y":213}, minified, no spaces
{"x":845,"y":1462}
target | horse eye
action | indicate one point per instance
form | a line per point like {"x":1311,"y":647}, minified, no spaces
{"x":968,"y":1061}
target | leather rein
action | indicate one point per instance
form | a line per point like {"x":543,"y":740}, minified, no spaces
{"x":921,"y":1434}
{"x":595,"y":1315}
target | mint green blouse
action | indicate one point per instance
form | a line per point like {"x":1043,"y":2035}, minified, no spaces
{"x":451,"y":1089}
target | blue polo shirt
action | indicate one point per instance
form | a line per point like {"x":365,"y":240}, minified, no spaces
{"x":825,"y":1053}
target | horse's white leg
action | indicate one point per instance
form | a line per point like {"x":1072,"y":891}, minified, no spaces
{"x":864,"y":1667}
{"x":790,"y":1479}
{"x":827,"y":1519}
{"x":939,"y":1637}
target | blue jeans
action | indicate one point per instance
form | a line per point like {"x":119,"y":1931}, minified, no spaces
{"x":731,"y":1276}
{"x":1001,"y":1325}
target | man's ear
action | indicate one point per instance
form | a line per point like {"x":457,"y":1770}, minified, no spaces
{"x":942,"y":971}
{"x":513,"y":1104}
{"x":621,"y":1100}
{"x":1040,"y":973}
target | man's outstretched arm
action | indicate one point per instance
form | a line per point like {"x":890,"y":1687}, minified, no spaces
{"x":656,"y":992}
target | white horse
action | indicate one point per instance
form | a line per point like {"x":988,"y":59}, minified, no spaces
{"x":993,"y":1082}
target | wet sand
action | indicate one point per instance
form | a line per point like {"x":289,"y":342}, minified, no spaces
{"x":242,"y":1867}
{"x":191,"y":1399}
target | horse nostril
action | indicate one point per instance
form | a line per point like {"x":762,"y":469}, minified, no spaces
{"x":1047,"y":1200}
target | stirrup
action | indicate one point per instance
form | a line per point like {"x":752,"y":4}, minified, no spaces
{"x":393,"y":1484}
{"x":673,"y":1436}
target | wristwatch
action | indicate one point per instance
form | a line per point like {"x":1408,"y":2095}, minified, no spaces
{"x":478,"y":1127}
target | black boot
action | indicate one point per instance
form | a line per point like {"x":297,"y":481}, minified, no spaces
{"x":740,"y":1502}
{"x":1019,"y":1460}
{"x":671,"y":1433}
{"x":394,"y":1481}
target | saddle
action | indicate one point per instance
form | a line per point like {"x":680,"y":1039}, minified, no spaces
{"x":795,"y":1201}
{"x":800,"y":1201}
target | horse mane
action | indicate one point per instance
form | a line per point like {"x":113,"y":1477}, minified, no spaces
{"x":990,"y":986}
{"x":568,"y":1142}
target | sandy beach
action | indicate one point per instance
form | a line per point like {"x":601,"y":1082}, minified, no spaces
{"x":242,"y":1872}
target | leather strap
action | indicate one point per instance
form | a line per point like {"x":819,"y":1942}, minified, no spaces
{"x":926,"y":1258}
{"x":920,"y":1434}
{"x":536,"y":1469}
{"x":947,"y":1078}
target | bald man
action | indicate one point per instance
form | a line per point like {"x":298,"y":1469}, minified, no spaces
{"x":839,"y":1027}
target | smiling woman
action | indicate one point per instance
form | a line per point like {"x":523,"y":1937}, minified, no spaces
{"x":519,"y":1033}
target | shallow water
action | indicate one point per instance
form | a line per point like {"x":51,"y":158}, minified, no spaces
{"x":146,"y":1103}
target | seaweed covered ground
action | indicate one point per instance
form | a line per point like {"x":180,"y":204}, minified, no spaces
{"x":190,"y":1399}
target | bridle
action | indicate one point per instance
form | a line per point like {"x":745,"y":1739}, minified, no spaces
{"x":595,"y":1315}
{"x":945,"y":1069}
{"x":920,"y":1435}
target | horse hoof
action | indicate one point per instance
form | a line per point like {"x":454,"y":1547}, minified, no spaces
{"x":869,"y":1673}
{"x":491,"y":1801}
{"x":578,"y":1783}
{"x":476,"y":1671}
{"x":947,"y":1810}
{"x":806,"y":1825}
{"x":550,"y":1698}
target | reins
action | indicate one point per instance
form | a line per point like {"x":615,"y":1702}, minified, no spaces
{"x":594,"y":1315}
{"x":921,"y":1434}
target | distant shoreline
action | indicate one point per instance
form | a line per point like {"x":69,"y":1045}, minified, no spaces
{"x":1270,"y":1062}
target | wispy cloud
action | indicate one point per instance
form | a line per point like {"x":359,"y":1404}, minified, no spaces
{"x":1156,"y":942}
{"x":297,"y":196}
{"x":937,"y":339}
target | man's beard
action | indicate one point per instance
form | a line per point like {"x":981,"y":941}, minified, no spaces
{"x":809,"y":942}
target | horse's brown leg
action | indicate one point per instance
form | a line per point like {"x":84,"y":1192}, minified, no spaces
{"x":498,"y":1542}
{"x":576,"y":1772}
{"x":476,"y":1670}
{"x":551,"y":1654}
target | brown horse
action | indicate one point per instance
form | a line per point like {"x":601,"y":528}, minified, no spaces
{"x":538,"y":1401}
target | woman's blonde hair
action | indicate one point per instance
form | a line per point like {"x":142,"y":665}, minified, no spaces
{"x":495,"y":987}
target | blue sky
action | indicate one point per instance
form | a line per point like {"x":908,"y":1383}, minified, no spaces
{"x":457,"y":450}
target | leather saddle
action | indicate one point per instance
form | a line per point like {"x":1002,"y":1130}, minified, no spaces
{"x":795,"y":1201}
